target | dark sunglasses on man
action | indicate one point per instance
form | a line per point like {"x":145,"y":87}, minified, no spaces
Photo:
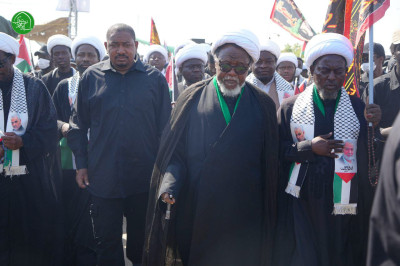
{"x":240,"y":70}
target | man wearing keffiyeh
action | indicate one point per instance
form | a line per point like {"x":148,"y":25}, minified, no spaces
{"x":79,"y":241}
{"x":325,"y":204}
{"x":28,"y":200}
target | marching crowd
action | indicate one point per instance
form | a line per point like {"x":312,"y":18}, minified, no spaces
{"x":254,"y":157}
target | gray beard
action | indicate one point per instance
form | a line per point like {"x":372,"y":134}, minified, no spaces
{"x":230,"y":93}
{"x":325,"y":95}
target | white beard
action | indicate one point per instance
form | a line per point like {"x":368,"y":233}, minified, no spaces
{"x":230,"y":93}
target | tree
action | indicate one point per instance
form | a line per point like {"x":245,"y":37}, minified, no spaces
{"x":295,"y":48}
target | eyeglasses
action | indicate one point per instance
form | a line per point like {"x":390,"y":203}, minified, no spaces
{"x":4,"y":61}
{"x":240,"y":70}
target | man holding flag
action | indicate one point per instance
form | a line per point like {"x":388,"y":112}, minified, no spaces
{"x":326,"y":197}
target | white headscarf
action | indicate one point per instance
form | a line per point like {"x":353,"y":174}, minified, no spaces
{"x":192,"y":51}
{"x":58,"y":39}
{"x":288,"y":57}
{"x":93,"y":41}
{"x":180,"y":46}
{"x":328,"y":43}
{"x":270,"y":46}
{"x":242,"y":38}
{"x":8,"y":44}
{"x":156,"y":48}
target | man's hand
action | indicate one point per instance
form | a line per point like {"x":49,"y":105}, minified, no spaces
{"x":373,"y":114}
{"x":12,"y":141}
{"x":167,"y":198}
{"x":82,"y":178}
{"x":64,"y":129}
{"x":324,"y":146}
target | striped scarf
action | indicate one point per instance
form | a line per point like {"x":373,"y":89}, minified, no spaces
{"x":346,"y":128}
{"x":17,"y":122}
{"x":67,"y":157}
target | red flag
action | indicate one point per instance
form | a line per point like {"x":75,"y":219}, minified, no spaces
{"x":154,"y":39}
{"x":371,"y":11}
{"x":287,"y":15}
{"x":23,"y":61}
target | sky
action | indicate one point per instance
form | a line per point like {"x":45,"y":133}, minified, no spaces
{"x":180,"y":20}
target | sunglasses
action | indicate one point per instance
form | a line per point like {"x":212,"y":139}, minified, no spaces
{"x":4,"y":61}
{"x":240,"y":70}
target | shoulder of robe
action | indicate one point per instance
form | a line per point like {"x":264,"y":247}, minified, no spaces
{"x":63,"y":84}
{"x":381,"y":80}
{"x":35,"y":86}
{"x":261,"y":96}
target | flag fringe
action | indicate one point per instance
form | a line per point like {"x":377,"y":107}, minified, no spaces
{"x":293,"y":190}
{"x":345,"y":209}
{"x":16,"y":170}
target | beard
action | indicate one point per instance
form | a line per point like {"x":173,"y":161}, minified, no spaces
{"x":327,"y":95}
{"x":230,"y":92}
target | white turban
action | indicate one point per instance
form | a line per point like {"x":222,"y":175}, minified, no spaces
{"x":193,"y":51}
{"x":58,"y":39}
{"x":93,"y":41}
{"x":156,"y":48}
{"x":8,"y":44}
{"x":270,"y":46}
{"x":180,"y":46}
{"x":328,"y":43}
{"x":288,"y":57}
{"x":242,"y":38}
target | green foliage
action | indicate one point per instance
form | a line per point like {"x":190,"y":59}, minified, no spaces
{"x":295,"y":48}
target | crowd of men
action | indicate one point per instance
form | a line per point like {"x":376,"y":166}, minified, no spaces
{"x":235,"y":165}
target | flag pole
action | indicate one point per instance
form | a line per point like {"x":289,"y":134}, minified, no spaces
{"x":173,"y":79}
{"x":371,"y":66}
{"x":32,"y":62}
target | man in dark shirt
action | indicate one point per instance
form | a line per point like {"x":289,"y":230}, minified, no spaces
{"x":387,"y":91}
{"x":59,"y":47}
{"x":126,"y":105}
{"x":379,"y":59}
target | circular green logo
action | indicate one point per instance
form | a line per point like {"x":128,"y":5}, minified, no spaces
{"x":22,"y":22}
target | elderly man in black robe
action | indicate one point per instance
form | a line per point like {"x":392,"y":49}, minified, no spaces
{"x":28,"y":201}
{"x":217,"y":167}
{"x":79,"y":241}
{"x":384,"y":233}
{"x":327,"y":211}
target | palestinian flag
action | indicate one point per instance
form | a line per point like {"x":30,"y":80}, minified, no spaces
{"x":23,"y":61}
